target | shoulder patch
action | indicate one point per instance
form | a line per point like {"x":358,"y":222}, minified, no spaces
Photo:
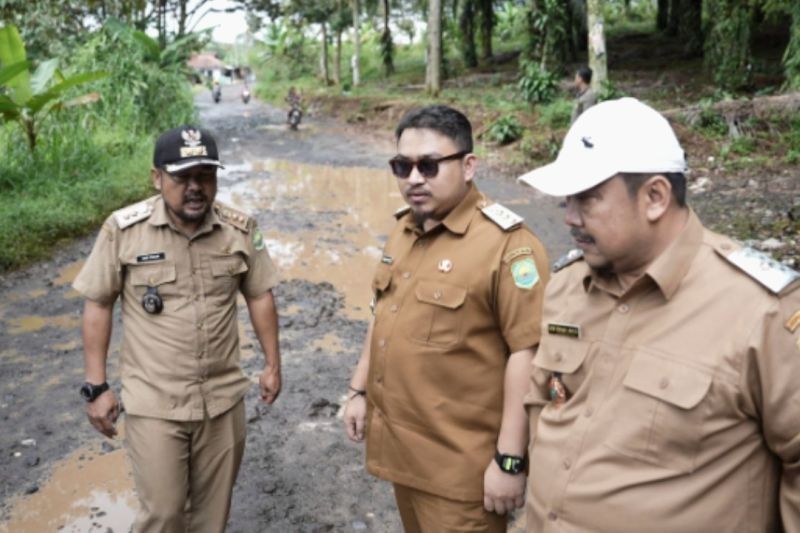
{"x":402,"y":211}
{"x":771,"y":274}
{"x":130,"y":215}
{"x":567,"y":259}
{"x":232,"y":216}
{"x":794,"y":322}
{"x":516,"y":252}
{"x":524,"y":273}
{"x":502,"y":216}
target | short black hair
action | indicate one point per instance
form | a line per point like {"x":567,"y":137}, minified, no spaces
{"x":443,"y":119}
{"x":633,"y":182}
{"x":585,"y":73}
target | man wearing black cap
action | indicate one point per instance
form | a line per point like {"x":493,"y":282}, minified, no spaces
{"x":177,"y":261}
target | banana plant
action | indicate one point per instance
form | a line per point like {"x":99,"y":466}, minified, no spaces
{"x":28,"y":97}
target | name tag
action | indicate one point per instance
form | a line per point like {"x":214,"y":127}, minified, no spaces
{"x":568,"y":330}
{"x":148,"y":258}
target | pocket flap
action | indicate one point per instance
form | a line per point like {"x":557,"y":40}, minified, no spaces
{"x":561,"y":354}
{"x":382,"y":279}
{"x":228,"y":267}
{"x":152,"y":275}
{"x":442,"y":294}
{"x":671,"y":381}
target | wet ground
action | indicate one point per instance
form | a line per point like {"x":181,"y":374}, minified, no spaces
{"x":324,"y":200}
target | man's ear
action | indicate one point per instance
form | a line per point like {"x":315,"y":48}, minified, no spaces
{"x":470,"y":167}
{"x":656,"y":195}
{"x":155,"y":175}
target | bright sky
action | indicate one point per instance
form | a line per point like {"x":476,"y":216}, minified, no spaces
{"x":226,"y":25}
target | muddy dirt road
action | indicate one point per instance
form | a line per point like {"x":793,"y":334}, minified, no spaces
{"x":324,"y":199}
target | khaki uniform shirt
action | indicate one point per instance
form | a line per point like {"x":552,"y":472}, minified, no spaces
{"x":683,"y":406}
{"x":185,"y":360}
{"x":448,"y":313}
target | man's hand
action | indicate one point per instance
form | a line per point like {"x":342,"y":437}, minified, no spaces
{"x":355,"y":415}
{"x":502,"y":493}
{"x":103,"y":413}
{"x":270,"y":383}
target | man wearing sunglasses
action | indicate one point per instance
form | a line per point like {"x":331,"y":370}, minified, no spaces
{"x":178,"y":261}
{"x":666,"y":389}
{"x":439,"y":387}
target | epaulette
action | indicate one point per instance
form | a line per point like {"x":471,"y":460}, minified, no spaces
{"x":771,"y":274}
{"x":402,"y":211}
{"x":232,"y":216}
{"x":502,"y":216}
{"x":130,"y":215}
{"x":567,"y":259}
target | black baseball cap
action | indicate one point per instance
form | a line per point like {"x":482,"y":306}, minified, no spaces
{"x":185,"y":147}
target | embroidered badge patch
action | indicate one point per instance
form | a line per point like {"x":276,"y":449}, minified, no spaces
{"x":258,"y":240}
{"x":794,"y":322}
{"x":524,"y":273}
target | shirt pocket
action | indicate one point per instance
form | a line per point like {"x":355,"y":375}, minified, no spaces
{"x":162,"y":276}
{"x":661,"y":412}
{"x":226,"y":273}
{"x":562,"y":355}
{"x":437,"y":317}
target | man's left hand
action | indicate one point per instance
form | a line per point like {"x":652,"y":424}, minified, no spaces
{"x":270,"y":384}
{"x":502,"y":493}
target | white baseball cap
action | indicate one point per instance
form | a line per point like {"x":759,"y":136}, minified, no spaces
{"x":615,"y":136}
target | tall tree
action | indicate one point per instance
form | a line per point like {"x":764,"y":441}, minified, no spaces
{"x":433,"y":72}
{"x":728,"y":48}
{"x":675,"y":9}
{"x":486,"y":8}
{"x":662,"y":16}
{"x":467,"y":25}
{"x":597,"y":43}
{"x":791,"y":58}
{"x":690,"y":28}
{"x":387,"y":46}
{"x":356,"y":60}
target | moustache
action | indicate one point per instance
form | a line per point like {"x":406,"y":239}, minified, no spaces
{"x":580,"y":236}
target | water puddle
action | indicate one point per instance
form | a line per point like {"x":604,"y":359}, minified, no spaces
{"x":32,"y":323}
{"x":88,"y":491}
{"x":68,"y":273}
{"x":353,"y":209}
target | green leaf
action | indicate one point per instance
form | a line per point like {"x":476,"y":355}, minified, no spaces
{"x":7,"y":73}
{"x":40,"y":100}
{"x":8,"y":108}
{"x":152,"y":50}
{"x":43,"y":75}
{"x":12,"y":51}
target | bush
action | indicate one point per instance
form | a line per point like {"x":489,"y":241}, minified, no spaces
{"x":504,"y":130}
{"x":537,"y":84}
{"x":556,"y":115}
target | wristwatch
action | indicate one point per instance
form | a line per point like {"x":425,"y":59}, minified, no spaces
{"x":90,"y":392}
{"x":510,"y":464}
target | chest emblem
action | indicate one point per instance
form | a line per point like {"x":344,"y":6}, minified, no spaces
{"x":445,"y":266}
{"x":524,"y":273}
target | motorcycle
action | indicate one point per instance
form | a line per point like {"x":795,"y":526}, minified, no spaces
{"x":216,"y":93}
{"x":245,"y":95}
{"x":294,"y":116}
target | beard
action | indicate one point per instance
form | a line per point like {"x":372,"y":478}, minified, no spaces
{"x":193,"y":216}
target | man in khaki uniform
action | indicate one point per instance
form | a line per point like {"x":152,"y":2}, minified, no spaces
{"x":666,"y":389}
{"x":178,"y":261}
{"x":586,"y":95}
{"x":441,"y":380}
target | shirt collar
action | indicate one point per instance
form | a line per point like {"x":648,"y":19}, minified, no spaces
{"x":667,"y":270}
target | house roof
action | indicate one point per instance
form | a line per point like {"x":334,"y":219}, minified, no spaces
{"x":205,"y":61}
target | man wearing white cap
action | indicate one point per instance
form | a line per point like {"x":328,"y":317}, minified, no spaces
{"x":665,"y":392}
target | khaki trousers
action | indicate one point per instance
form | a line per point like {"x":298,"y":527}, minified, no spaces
{"x":185,"y":471}
{"x":422,"y":512}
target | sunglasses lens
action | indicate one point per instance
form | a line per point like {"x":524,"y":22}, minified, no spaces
{"x":428,"y":167}
{"x":401,"y":168}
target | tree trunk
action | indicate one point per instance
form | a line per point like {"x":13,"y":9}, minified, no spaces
{"x":597,"y":44}
{"x":690,"y":29}
{"x":337,"y":64}
{"x":556,"y":30}
{"x":182,"y":18}
{"x":433,"y":73}
{"x":356,"y":61}
{"x":467,"y":23}
{"x":387,"y":46}
{"x":487,"y":27}
{"x":662,"y":17}
{"x":675,"y":8}
{"x":326,"y":78}
{"x":791,"y":58}
{"x":728,"y":49}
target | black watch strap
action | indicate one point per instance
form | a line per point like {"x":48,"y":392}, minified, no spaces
{"x":90,"y":392}
{"x":510,"y":464}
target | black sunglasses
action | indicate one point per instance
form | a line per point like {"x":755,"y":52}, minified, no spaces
{"x":428,"y":167}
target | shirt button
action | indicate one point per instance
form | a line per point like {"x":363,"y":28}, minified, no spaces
{"x":394,"y":308}
{"x":379,"y":379}
{"x":558,"y":357}
{"x":623,"y":308}
{"x":190,"y":243}
{"x":663,"y":383}
{"x":194,"y":270}
{"x":437,"y":295}
{"x":552,"y":516}
{"x":406,"y":275}
{"x":381,"y":343}
{"x":199,"y":325}
{"x":567,"y":464}
{"x":196,"y":297}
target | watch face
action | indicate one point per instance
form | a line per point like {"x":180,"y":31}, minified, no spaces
{"x":86,"y":392}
